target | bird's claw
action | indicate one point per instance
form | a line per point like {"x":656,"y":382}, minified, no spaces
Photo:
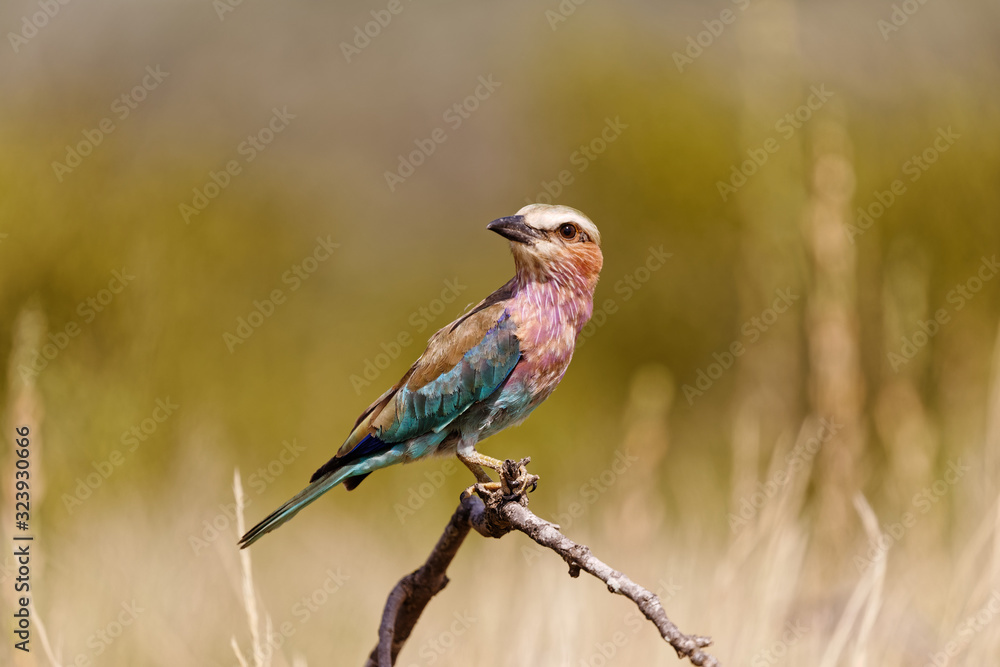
{"x":515,"y":482}
{"x":481,"y":489}
{"x":516,"y":479}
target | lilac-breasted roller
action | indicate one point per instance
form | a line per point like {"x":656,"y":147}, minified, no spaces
{"x":485,"y":371}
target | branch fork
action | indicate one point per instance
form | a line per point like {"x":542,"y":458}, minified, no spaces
{"x":493,"y":510}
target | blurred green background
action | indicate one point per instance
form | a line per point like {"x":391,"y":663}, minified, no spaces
{"x":686,"y":95}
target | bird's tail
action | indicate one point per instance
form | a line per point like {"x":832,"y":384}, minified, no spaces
{"x":293,"y":506}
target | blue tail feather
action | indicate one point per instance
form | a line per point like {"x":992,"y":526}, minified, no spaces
{"x":284,"y":513}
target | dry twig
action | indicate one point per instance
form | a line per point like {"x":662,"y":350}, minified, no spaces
{"x":494,"y":513}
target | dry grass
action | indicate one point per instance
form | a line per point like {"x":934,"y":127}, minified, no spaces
{"x":744,"y":590}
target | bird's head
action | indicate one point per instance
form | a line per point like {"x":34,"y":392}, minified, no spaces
{"x":553,"y":243}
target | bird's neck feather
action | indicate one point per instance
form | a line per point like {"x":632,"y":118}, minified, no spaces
{"x":561,"y":291}
{"x":575,"y":272}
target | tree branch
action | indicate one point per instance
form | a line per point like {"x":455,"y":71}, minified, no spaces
{"x":494,"y":513}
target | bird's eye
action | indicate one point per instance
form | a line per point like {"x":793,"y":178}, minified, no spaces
{"x":567,"y":230}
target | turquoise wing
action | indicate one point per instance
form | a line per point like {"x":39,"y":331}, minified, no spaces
{"x":464,"y":363}
{"x":423,"y":407}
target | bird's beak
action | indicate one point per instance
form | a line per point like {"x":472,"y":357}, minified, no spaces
{"x":514,"y":227}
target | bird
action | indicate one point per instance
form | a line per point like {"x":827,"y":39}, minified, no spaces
{"x":484,"y":372}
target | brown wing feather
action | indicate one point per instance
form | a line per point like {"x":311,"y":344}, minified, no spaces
{"x":445,"y":350}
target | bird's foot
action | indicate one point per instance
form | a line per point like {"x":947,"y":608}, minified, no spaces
{"x":514,"y":485}
{"x":515,"y":478}
{"x":481,"y":489}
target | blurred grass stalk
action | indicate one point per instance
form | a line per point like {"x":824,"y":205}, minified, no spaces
{"x":258,"y":635}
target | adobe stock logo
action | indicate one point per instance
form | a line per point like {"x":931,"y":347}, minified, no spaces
{"x":122,"y":107}
{"x":752,"y":330}
{"x":797,"y":459}
{"x":786,"y":127}
{"x":264,"y":309}
{"x":777,"y":653}
{"x":101,"y":639}
{"x":454,"y":116}
{"x":714,"y":28}
{"x":922,"y":503}
{"x":363,"y":35}
{"x":627,"y":288}
{"x":303,"y":610}
{"x":420,"y":320}
{"x":960,"y":295}
{"x":38,"y":360}
{"x":30,"y":25}
{"x":562,"y":12}
{"x":915,"y":167}
{"x":899,"y":17}
{"x":219,"y":525}
{"x":250,"y":148}
{"x":419,"y":495}
{"x":966,"y":632}
{"x":106,"y":467}
{"x":581,"y":158}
